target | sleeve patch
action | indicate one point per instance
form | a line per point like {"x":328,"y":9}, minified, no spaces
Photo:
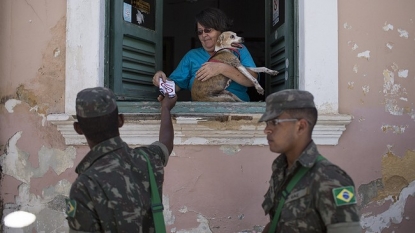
{"x":344,"y":195}
{"x":70,"y":207}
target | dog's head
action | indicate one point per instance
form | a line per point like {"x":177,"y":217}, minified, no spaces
{"x":229,"y":39}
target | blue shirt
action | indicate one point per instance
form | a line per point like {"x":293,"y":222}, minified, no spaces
{"x":185,"y":72}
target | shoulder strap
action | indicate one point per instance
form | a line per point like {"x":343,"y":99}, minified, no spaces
{"x":156,"y":205}
{"x":294,"y":180}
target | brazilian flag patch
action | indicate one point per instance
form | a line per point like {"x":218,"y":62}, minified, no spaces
{"x":70,"y":207}
{"x":344,"y":195}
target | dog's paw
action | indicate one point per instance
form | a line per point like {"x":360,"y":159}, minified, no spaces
{"x":273,"y":72}
{"x":260,"y":90}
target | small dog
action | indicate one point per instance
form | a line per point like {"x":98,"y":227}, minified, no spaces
{"x":213,"y":89}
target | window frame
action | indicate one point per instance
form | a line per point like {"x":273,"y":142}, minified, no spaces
{"x":85,"y":66}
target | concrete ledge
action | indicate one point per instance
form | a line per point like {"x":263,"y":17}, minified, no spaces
{"x":219,"y":129}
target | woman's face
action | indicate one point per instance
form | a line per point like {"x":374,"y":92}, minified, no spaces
{"x":207,"y":37}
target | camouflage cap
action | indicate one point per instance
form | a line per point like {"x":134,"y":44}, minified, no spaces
{"x":95,"y":102}
{"x":279,"y":101}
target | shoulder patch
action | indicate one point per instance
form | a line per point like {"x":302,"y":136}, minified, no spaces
{"x":344,"y":195}
{"x":70,"y":207}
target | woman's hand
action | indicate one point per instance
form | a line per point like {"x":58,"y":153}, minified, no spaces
{"x":157,"y":76}
{"x":208,"y":70}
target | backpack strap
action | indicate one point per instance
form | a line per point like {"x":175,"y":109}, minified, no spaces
{"x":293,"y":181}
{"x":156,"y":205}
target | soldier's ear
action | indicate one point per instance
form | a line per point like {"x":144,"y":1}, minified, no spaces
{"x":77,"y":128}
{"x":120,"y":120}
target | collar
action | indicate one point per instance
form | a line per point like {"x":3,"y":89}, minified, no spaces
{"x":235,"y":51}
{"x":306,"y":159}
{"x":98,"y":151}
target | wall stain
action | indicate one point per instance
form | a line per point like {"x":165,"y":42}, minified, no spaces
{"x":397,"y":173}
{"x":45,"y":93}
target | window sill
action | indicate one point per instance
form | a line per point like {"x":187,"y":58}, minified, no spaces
{"x":201,"y":124}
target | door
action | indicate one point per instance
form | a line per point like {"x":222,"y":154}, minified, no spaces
{"x":281,"y":44}
{"x":135,"y":47}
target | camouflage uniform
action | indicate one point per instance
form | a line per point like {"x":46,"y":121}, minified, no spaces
{"x":310,"y":207}
{"x":313,"y":205}
{"x":112,"y":190}
{"x":111,"y":193}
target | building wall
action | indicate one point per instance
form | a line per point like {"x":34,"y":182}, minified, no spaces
{"x":215,"y":188}
{"x":376,"y":78}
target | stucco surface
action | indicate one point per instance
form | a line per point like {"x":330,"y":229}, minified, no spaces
{"x":216,"y":188}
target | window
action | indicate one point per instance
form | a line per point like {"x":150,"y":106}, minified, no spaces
{"x":317,"y":36}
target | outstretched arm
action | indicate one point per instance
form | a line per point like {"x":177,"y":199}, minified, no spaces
{"x":166,"y":134}
{"x":210,"y":69}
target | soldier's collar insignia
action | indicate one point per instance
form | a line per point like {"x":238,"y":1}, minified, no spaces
{"x":70,"y":207}
{"x":344,"y":195}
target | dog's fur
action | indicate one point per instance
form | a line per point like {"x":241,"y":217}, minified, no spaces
{"x":213,"y":89}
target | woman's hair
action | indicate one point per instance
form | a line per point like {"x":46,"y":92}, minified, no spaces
{"x":214,"y":18}
{"x":99,"y":129}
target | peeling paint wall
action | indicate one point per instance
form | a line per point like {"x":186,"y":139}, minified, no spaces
{"x":215,"y":188}
{"x":34,"y":162}
{"x":376,"y":79}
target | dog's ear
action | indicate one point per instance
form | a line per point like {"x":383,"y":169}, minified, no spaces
{"x":221,"y":37}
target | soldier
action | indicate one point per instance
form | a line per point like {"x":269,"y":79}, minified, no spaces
{"x":111,"y":193}
{"x":307,"y":193}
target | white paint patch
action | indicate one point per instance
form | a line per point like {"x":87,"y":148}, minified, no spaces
{"x":183,"y":210}
{"x":365,"y":54}
{"x":169,"y":218}
{"x":392,"y":107}
{"x":387,"y":27}
{"x":392,"y":92}
{"x":10,"y":104}
{"x":350,"y":85}
{"x":389,"y":45}
{"x":403,"y":73}
{"x":355,"y":47}
{"x":403,"y":33}
{"x":347,"y":26}
{"x":395,"y":67}
{"x":396,"y":129}
{"x":355,"y":68}
{"x":15,"y":162}
{"x":202,"y":228}
{"x":56,"y":52}
{"x":404,"y":99}
{"x":230,"y":149}
{"x":366,"y":89}
{"x":35,"y":109}
{"x":394,"y":214}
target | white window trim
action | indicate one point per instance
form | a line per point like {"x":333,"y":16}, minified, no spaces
{"x":318,"y":62}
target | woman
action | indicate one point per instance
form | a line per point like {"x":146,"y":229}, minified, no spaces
{"x":210,"y":23}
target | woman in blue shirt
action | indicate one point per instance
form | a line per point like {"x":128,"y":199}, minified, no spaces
{"x":211,"y":22}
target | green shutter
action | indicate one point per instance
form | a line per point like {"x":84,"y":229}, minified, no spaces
{"x":135,"y":53}
{"x":281,"y":45}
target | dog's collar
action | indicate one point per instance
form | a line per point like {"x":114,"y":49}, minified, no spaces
{"x":232,"y":49}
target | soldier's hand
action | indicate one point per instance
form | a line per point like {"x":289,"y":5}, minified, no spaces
{"x":167,"y":102}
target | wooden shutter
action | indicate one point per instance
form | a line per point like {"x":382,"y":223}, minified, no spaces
{"x":135,"y":51}
{"x":281,"y":44}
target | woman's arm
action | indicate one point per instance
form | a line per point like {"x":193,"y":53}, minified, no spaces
{"x":210,"y":69}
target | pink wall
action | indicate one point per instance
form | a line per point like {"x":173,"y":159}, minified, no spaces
{"x":216,"y":188}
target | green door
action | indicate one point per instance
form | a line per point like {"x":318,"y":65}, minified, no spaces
{"x":281,"y":44}
{"x":135,"y":47}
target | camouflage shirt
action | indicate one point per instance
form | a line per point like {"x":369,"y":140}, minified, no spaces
{"x":313,"y":205}
{"x":111,"y":193}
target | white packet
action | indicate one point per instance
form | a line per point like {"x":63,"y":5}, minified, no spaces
{"x":167,"y":87}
